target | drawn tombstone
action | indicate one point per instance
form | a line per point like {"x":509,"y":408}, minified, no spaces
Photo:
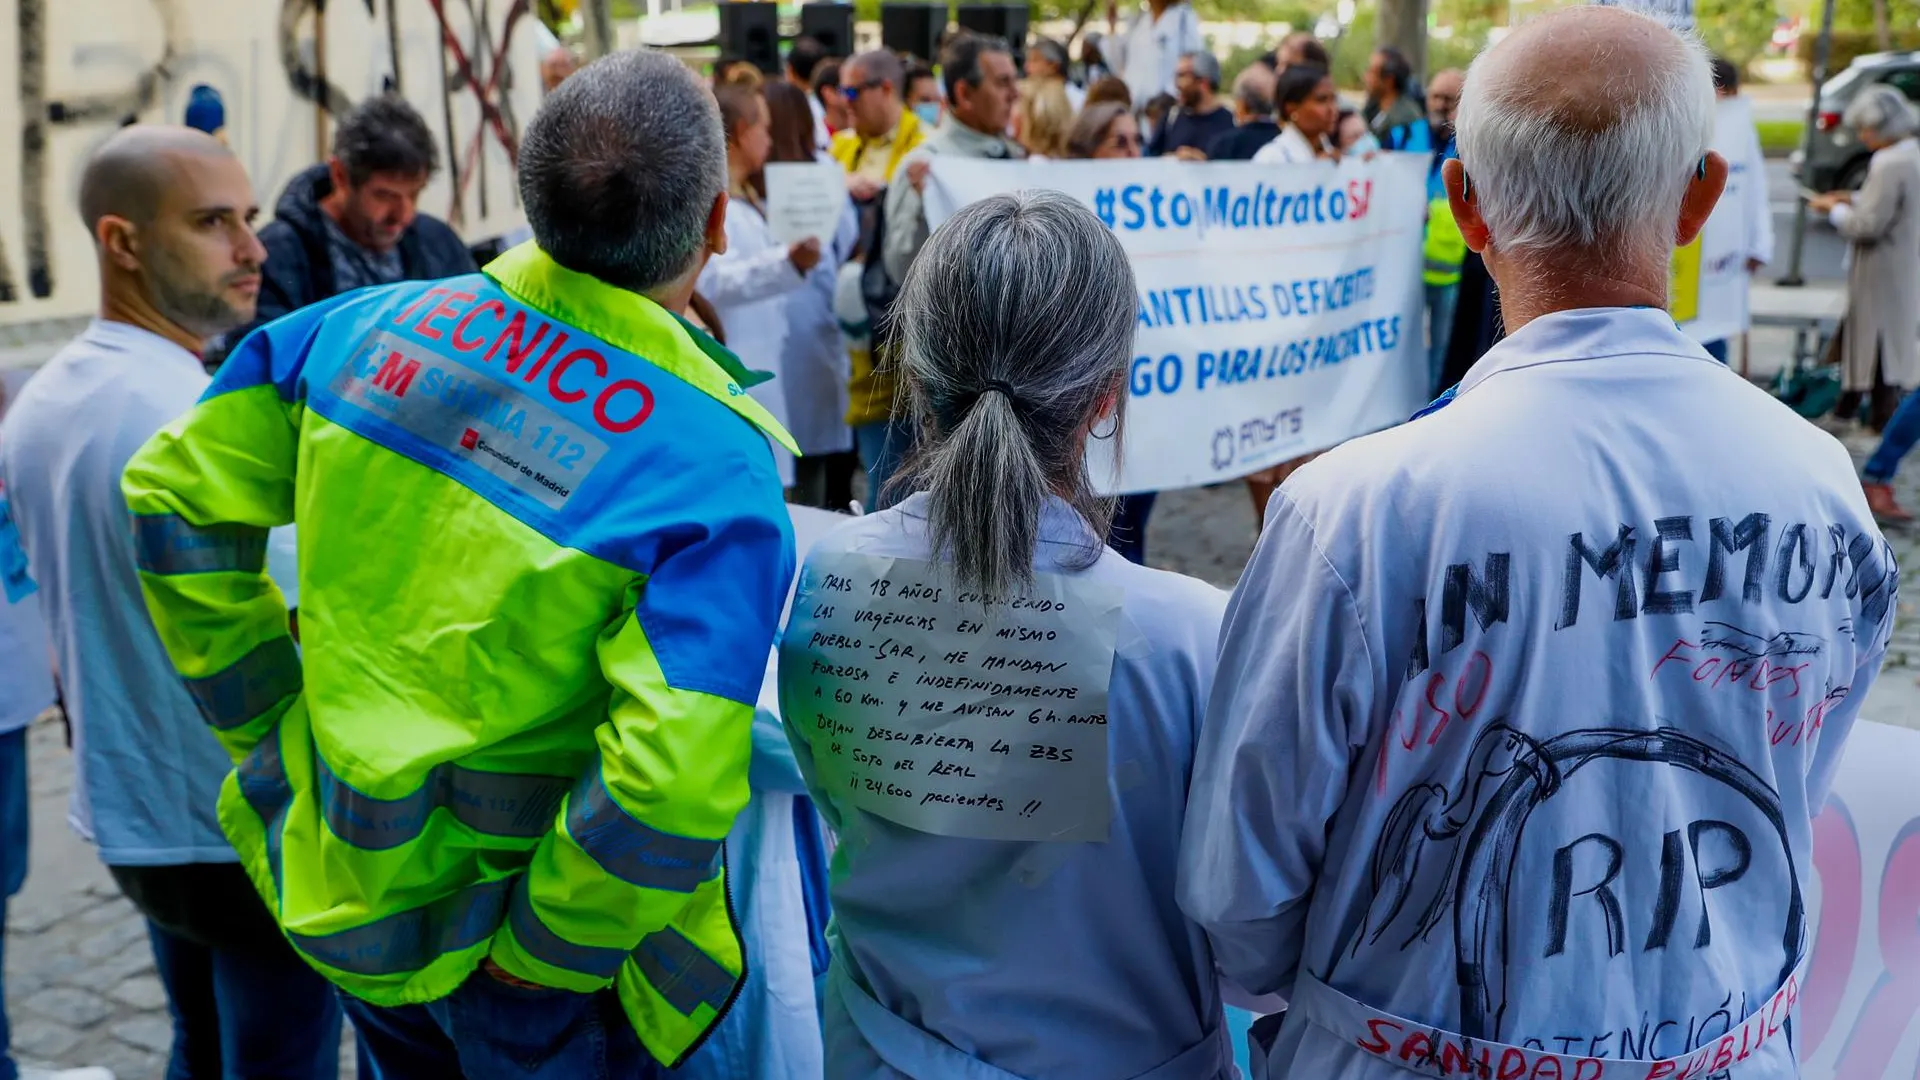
{"x":1498,"y":855}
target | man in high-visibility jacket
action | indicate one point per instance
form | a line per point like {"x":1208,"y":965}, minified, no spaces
{"x":1445,"y":249}
{"x":884,"y":132}
{"x":542,"y":556}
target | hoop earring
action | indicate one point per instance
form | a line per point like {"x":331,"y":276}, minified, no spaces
{"x":1111,"y":431}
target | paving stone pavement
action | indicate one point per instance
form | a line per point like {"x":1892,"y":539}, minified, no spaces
{"x":1896,"y":697}
{"x":80,"y":984}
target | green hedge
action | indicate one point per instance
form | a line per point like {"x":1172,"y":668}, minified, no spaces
{"x":1780,"y":137}
{"x":1848,"y":44}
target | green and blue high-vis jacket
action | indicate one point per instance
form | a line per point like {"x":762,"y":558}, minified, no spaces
{"x":543,"y":553}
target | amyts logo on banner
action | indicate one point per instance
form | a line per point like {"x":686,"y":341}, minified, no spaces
{"x":1280,"y":305}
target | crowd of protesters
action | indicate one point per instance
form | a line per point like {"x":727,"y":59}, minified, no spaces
{"x":378,"y":722}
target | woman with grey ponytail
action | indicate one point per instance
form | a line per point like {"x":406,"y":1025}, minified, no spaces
{"x":1015,"y":333}
{"x":968,"y":941}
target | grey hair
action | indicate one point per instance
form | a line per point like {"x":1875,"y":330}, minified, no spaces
{"x":1016,"y":324}
{"x":960,"y":60}
{"x":619,"y":169}
{"x":1205,"y":66}
{"x":1563,"y":176}
{"x":1052,"y":52}
{"x":1254,"y":88}
{"x":1091,"y":126}
{"x":881,"y":64}
{"x":1884,"y":111}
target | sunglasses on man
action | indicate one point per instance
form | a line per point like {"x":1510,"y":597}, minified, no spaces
{"x":852,"y":93}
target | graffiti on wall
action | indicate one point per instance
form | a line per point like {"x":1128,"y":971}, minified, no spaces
{"x":276,"y":75}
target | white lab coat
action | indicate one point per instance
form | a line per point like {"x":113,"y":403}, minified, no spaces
{"x":990,"y":959}
{"x":1518,"y":731}
{"x":1289,"y":147}
{"x":748,"y":288}
{"x":1736,"y":137}
{"x":1145,"y":53}
{"x":815,"y":366}
{"x":1742,"y":221}
{"x":773,"y":1029}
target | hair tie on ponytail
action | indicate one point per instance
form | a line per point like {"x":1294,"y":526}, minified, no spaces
{"x":995,"y":386}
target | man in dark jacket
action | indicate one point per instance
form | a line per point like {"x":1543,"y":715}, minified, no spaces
{"x":353,"y":221}
{"x":1252,"y":112}
{"x":1202,"y":114}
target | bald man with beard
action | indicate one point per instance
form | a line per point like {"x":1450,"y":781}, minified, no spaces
{"x":171,"y":214}
{"x":1504,"y":773}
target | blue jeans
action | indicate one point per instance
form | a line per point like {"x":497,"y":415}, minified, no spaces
{"x":488,"y":1030}
{"x":1128,"y":533}
{"x":1442,"y":302}
{"x":883,"y":445}
{"x":13,"y":863}
{"x":1903,"y":431}
{"x":245,"y":1013}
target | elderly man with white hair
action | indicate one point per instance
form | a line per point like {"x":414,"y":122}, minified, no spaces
{"x":1524,"y":708}
{"x":1883,"y":282}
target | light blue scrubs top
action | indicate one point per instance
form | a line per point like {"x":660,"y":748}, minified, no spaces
{"x":147,"y":769}
{"x":966,"y":959}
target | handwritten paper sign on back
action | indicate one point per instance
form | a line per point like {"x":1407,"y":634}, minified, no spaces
{"x":934,"y":711}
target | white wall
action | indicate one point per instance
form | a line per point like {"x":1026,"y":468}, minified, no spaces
{"x":104,"y":60}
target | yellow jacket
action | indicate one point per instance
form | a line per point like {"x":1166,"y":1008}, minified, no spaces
{"x":870,"y":392}
{"x":848,"y":146}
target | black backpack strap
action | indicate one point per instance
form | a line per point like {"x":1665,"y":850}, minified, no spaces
{"x":878,"y":289}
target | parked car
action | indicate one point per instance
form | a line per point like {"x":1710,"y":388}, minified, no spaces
{"x":1786,"y":35}
{"x":1838,"y":160}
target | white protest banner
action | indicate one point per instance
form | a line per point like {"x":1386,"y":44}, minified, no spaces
{"x":1280,"y":305}
{"x":1858,"y":1014}
{"x":947,"y":715}
{"x":1708,"y":295}
{"x":805,"y":199}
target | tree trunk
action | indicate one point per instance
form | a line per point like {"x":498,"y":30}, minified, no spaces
{"x":598,"y":17}
{"x":1403,"y":25}
{"x":1080,"y":21}
{"x":1881,"y":29}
